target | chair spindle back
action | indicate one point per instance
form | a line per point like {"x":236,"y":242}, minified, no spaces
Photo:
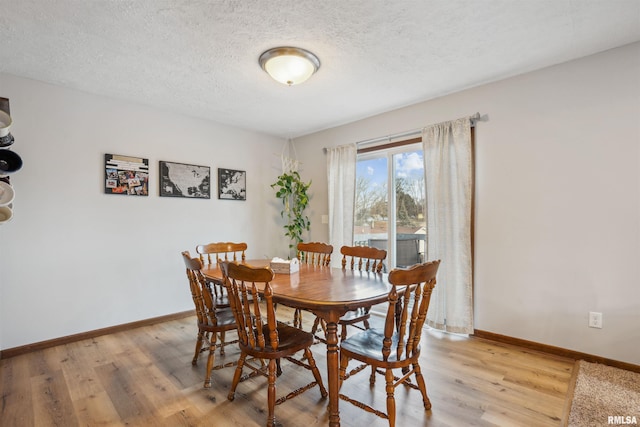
{"x":363,"y":258}
{"x":419,"y":280}
{"x":200,"y":291}
{"x":214,"y":253}
{"x":315,"y":253}
{"x":242,"y":283}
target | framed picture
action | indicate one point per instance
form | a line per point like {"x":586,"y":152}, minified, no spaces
{"x":232,"y":184}
{"x":126,"y":175}
{"x":183,"y":180}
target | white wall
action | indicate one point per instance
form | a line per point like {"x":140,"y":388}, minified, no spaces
{"x":74,"y":259}
{"x":558,"y":198}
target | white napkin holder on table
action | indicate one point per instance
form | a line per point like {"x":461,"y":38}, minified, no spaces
{"x":285,"y":266}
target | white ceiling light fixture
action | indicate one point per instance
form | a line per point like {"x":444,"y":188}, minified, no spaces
{"x":289,"y":65}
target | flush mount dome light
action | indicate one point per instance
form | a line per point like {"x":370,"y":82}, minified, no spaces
{"x":289,"y":65}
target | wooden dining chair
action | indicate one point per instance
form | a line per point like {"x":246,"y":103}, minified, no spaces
{"x":213,"y":254}
{"x":212,"y":321}
{"x":397,"y":346}
{"x":317,"y":254}
{"x":362,"y":258}
{"x":261,"y":336}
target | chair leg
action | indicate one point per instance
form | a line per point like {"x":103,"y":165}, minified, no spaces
{"x":210,"y":360}
{"x":222,"y":343}
{"x":344,"y":362}
{"x":422,"y":386}
{"x":297,"y":318}
{"x":391,"y":401}
{"x":319,"y":323}
{"x":316,"y":322}
{"x":372,"y":377}
{"x":315,"y":371}
{"x":271,"y":394}
{"x":199,"y":340}
{"x":343,"y":335}
{"x":236,"y":376}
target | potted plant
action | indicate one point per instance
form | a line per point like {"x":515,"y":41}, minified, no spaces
{"x":293,"y":192}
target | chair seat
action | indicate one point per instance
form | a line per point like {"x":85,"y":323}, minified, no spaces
{"x":226,"y":321}
{"x":290,"y":341}
{"x":367,"y":347}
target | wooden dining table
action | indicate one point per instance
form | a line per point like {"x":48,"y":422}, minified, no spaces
{"x":329,"y":293}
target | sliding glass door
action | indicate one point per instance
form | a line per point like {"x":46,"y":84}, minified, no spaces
{"x":390,"y":204}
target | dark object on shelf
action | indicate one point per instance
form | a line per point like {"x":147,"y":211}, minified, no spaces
{"x":9,"y":162}
{"x":6,"y":140}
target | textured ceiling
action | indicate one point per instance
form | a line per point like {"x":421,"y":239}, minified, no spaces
{"x":200,"y":58}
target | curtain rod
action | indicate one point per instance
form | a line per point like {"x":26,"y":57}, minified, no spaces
{"x":474,"y":119}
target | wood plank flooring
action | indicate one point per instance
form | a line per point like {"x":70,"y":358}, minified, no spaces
{"x":144,"y":377}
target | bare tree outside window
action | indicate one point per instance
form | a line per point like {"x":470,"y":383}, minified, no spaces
{"x":374,"y":224}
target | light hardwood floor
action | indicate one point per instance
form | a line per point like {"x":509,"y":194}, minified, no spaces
{"x":144,"y":377}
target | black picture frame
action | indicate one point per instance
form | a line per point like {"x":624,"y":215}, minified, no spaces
{"x":185,"y":180}
{"x":232,"y":184}
{"x":126,"y":175}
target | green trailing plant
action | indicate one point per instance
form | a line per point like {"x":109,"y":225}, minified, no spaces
{"x":293,"y":192}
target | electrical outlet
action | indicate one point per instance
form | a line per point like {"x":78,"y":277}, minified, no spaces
{"x":595,"y":320}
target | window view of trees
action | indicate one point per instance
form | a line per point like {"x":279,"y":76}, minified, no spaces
{"x":410,"y":201}
{"x":371,"y":201}
{"x":373,"y":222}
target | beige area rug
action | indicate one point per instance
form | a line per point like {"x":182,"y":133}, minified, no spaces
{"x":601,"y":395}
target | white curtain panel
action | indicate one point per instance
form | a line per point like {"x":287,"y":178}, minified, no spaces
{"x":341,"y":173}
{"x":449,"y":183}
